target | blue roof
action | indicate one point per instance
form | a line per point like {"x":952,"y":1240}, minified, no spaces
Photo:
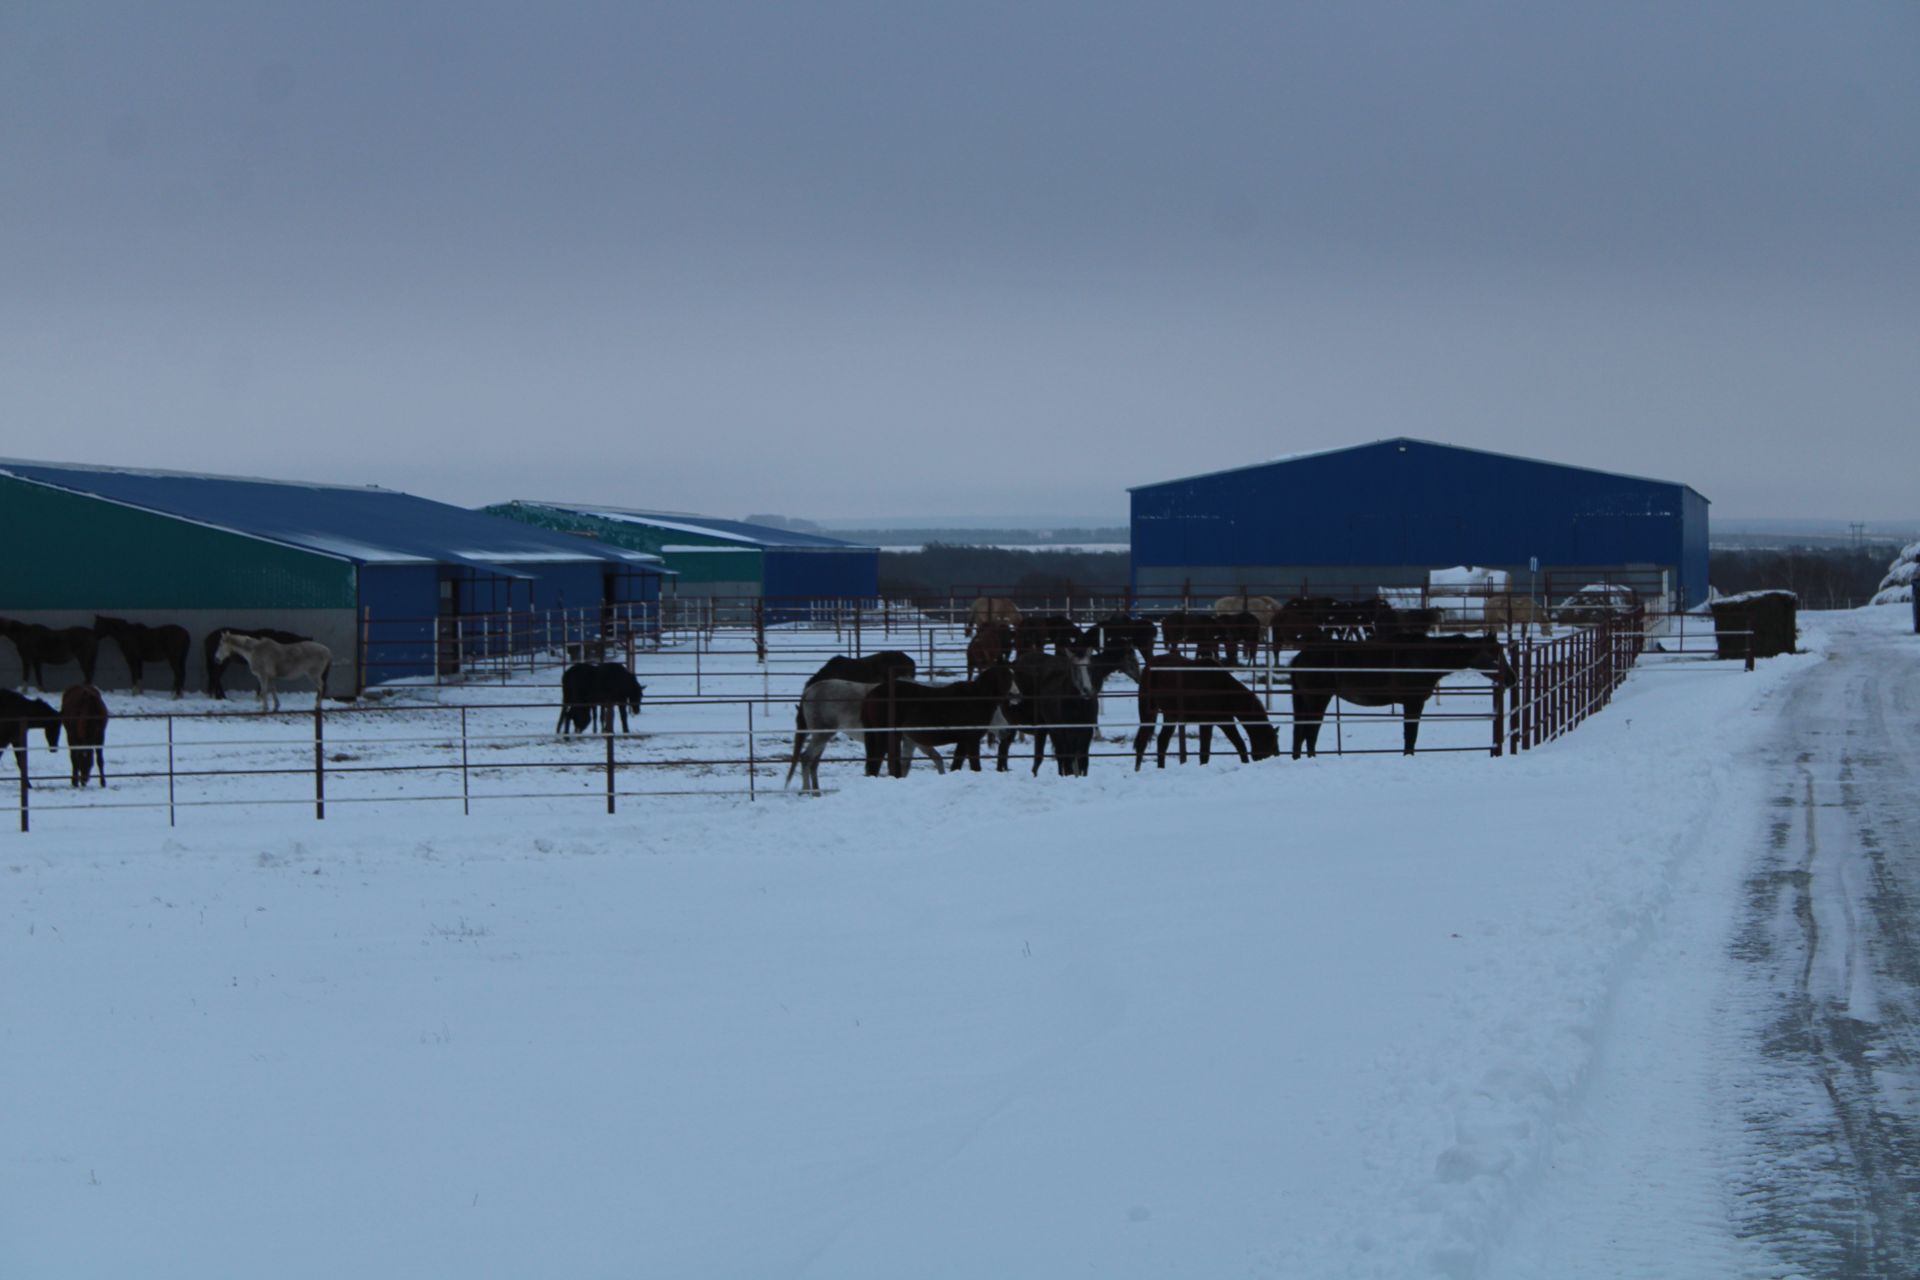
{"x":362,"y":524}
{"x":1402,"y":440}
{"x":732,"y":530}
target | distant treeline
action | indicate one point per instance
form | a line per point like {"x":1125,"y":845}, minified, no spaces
{"x":1036,"y":538}
{"x":942,"y":568}
{"x":1823,"y":577}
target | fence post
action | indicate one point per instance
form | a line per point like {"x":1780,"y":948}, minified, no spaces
{"x":25,"y":754}
{"x":319,"y":762}
{"x":466,"y":801}
{"x":608,"y":731}
{"x":169,"y":768}
{"x":1499,"y":717}
{"x":752,"y":793}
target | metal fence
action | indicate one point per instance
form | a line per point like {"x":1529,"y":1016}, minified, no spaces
{"x":494,"y":747}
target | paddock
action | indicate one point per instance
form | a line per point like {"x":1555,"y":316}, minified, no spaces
{"x":717,"y":725}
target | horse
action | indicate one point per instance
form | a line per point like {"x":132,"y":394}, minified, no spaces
{"x":1302,"y":620}
{"x":1183,"y":692}
{"x":827,"y":707}
{"x":1036,"y":635}
{"x":872,"y":669}
{"x":1197,"y":629}
{"x":932,"y":716}
{"x":271,"y":662}
{"x":139,"y":642}
{"x":1070,"y":716}
{"x":217,"y":667}
{"x":990,"y":644}
{"x":1402,"y":672}
{"x":991,"y":610}
{"x":40,"y":645}
{"x":84,"y":714}
{"x":19,"y":716}
{"x":590,"y":692}
{"x":1239,"y":635}
{"x":1261,"y":607}
{"x":1035,"y":675}
{"x":1125,"y":629}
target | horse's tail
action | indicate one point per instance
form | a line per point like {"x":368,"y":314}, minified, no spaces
{"x":799,"y":731}
{"x":324,"y":672}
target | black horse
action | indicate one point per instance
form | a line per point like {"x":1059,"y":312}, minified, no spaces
{"x":40,"y":645}
{"x":1183,"y":691}
{"x":20,"y":716}
{"x":1402,"y":671}
{"x":140,"y":644}
{"x":1071,"y":717}
{"x":590,"y":693}
{"x":1123,"y":628}
{"x":217,"y":669}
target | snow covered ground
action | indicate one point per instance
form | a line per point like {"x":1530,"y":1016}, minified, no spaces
{"x":1363,"y":1016}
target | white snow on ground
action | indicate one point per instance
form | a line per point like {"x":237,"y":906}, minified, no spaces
{"x":1317,"y":1018}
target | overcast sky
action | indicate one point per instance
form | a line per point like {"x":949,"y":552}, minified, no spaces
{"x":865,"y":260}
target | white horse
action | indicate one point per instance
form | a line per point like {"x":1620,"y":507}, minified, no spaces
{"x":1261,"y":607}
{"x":270,"y":661}
{"x":991,"y":611}
{"x":827,"y":707}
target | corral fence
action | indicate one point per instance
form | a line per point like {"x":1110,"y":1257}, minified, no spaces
{"x":729,"y":738}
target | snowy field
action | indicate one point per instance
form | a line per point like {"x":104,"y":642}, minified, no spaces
{"x":1316,"y":1018}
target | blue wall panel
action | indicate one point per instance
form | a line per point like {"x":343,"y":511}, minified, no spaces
{"x":398,"y":603}
{"x":820,"y":575}
{"x":1410,"y":502}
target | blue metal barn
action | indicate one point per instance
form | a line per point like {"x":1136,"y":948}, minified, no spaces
{"x":371,"y":572}
{"x":1348,"y":521}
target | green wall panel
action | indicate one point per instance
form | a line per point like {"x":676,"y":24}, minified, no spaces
{"x":75,"y":552}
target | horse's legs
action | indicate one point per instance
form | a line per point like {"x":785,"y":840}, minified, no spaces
{"x":136,"y":669}
{"x":1206,"y":743}
{"x":1307,"y":710}
{"x":1040,"y":750}
{"x":1166,"y":733}
{"x":1140,"y":746}
{"x":1410,"y":722}
{"x":1239,"y":743}
{"x":1183,"y":742}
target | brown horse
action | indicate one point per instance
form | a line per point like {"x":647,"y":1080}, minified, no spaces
{"x":990,"y":644}
{"x":1185,"y":691}
{"x":84,"y":714}
{"x":40,"y":645}
{"x":1399,"y":672}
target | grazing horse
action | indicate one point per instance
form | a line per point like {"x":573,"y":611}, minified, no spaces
{"x":590,"y":692}
{"x":40,"y":645}
{"x":139,"y":642}
{"x":1399,"y":672}
{"x":271,"y":662}
{"x":84,"y":714}
{"x":932,"y":716}
{"x":991,"y":610}
{"x":19,"y":716}
{"x":1184,"y":692}
{"x":990,"y":644}
{"x":217,"y":668}
{"x":827,"y":707}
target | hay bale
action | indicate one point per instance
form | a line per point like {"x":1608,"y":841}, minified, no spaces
{"x":1772,"y":617}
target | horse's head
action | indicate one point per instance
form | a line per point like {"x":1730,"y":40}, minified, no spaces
{"x":225,"y":649}
{"x":1263,"y":740}
{"x":41,"y":713}
{"x":1490,"y":657}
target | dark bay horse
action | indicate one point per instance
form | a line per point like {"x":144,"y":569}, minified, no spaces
{"x":140,"y":644}
{"x":39,"y":646}
{"x":20,"y":716}
{"x":1185,"y":691}
{"x":1402,"y":671}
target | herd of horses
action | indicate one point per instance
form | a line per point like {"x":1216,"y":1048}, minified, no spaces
{"x":1033,"y":677}
{"x":1040,"y":677}
{"x":271,"y":655}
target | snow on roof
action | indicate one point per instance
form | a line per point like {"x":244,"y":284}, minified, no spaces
{"x":704,"y":526}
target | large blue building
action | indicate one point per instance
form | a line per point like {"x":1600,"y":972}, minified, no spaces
{"x":395,"y":585}
{"x":1350,"y":521}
